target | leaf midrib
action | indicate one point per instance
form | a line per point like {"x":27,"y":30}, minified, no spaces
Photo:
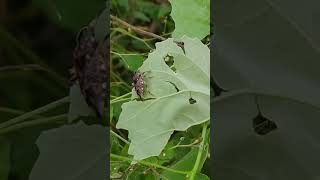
{"x":157,"y":99}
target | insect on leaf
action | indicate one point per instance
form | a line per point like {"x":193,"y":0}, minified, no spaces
{"x":168,"y":95}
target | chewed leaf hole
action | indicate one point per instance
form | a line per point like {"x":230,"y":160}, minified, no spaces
{"x":181,"y":45}
{"x":192,"y":101}
{"x":262,"y":125}
{"x":170,"y":62}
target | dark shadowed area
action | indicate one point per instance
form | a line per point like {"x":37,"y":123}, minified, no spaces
{"x":37,"y":40}
{"x":266,"y":106}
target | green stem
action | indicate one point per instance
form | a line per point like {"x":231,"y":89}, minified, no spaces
{"x":32,"y":123}
{"x":119,"y":98}
{"x":193,"y":144}
{"x":121,"y":80}
{"x":120,"y":30}
{"x":35,"y":112}
{"x":15,"y":111}
{"x":147,"y":164}
{"x":195,"y":169}
{"x":118,"y":136}
{"x":11,"y":111}
{"x":121,"y":57}
{"x":128,"y":54}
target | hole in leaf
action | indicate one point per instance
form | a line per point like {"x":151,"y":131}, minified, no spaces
{"x":170,"y":62}
{"x":262,"y":125}
{"x":192,"y":101}
{"x":216,"y":88}
{"x":181,"y":44}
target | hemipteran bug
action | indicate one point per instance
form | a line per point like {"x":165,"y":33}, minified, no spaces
{"x":90,"y":65}
{"x":138,"y":83}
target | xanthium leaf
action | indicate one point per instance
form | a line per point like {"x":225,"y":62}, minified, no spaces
{"x":174,"y":99}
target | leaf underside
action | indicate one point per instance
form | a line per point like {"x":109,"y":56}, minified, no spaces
{"x":176,"y":99}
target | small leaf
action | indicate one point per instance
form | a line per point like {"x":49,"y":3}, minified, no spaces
{"x":164,"y":11}
{"x":191,"y":17}
{"x":133,"y":62}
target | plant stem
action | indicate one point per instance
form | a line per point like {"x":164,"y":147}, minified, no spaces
{"x":119,"y":98}
{"x":147,"y":164}
{"x":123,"y":31}
{"x":193,"y":144}
{"x":33,"y":123}
{"x":121,"y":80}
{"x":35,"y":112}
{"x":25,"y":67}
{"x":11,"y":111}
{"x":118,"y":136}
{"x":137,"y":30}
{"x":129,"y":54}
{"x":195,"y":169}
{"x":15,"y":111}
{"x":121,"y":57}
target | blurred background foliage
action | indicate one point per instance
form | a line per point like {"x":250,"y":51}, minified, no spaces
{"x":36,"y":43}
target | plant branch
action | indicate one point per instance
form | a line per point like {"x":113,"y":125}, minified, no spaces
{"x":147,"y":164}
{"x":195,"y":169}
{"x":34,"y":112}
{"x":118,"y":136}
{"x":15,"y":111}
{"x":121,"y":80}
{"x":135,"y":29}
{"x":25,"y":67}
{"x":119,"y":98}
{"x":22,"y":125}
{"x":123,"y":31}
{"x":186,"y":145}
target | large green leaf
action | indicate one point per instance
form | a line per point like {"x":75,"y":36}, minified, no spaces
{"x":4,"y":158}
{"x":269,"y":48}
{"x":151,"y":122}
{"x":73,"y":152}
{"x":191,"y":17}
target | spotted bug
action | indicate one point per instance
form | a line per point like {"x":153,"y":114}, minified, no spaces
{"x":90,"y":64}
{"x":138,"y":83}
